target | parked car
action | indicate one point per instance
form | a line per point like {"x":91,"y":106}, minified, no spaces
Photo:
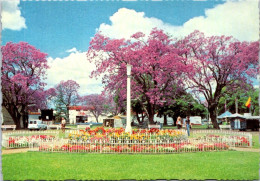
{"x":36,"y":125}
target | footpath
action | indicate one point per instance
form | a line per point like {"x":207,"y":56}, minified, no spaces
{"x":17,"y":150}
{"x":246,"y":149}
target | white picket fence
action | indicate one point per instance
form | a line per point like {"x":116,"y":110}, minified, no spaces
{"x":225,"y":134}
{"x":22,"y":139}
{"x":210,"y":141}
{"x":123,"y":146}
{"x":200,"y":140}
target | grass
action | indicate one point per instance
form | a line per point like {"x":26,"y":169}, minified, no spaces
{"x":200,"y":126}
{"x":71,"y":126}
{"x":255,"y":139}
{"x":193,"y":127}
{"x":226,"y":165}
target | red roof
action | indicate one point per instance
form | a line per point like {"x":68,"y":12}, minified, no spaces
{"x":34,"y":113}
{"x":78,"y":108}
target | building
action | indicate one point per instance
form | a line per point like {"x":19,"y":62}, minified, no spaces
{"x":82,"y":114}
{"x":34,"y":115}
{"x":244,"y":122}
{"x":118,"y":121}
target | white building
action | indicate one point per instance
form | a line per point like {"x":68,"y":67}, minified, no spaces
{"x":82,"y":114}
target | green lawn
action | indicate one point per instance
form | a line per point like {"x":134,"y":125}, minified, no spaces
{"x":226,"y":165}
{"x":71,"y":126}
{"x":255,"y":139}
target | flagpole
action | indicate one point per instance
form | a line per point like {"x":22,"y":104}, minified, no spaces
{"x":225,"y":105}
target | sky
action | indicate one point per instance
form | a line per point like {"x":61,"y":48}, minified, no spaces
{"x":63,"y":29}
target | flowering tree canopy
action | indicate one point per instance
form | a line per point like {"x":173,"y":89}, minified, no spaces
{"x":157,"y":67}
{"x":218,"y":62}
{"x":98,"y":104}
{"x":66,"y":95}
{"x":23,"y":69}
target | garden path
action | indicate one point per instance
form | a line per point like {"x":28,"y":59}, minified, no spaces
{"x":10,"y":151}
{"x":246,"y":149}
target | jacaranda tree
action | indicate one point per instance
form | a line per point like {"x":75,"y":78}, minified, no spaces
{"x":157,"y":67}
{"x":97,"y":104}
{"x":66,"y":95}
{"x":23,"y":71}
{"x":218,"y":62}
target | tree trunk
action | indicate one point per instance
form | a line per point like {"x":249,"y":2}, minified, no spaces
{"x":174,"y":121}
{"x":96,"y":118}
{"x":213,"y":116}
{"x":24,"y":115}
{"x":150,"y":117}
{"x":16,"y":116}
{"x":25,"y":120}
{"x":165,"y":119}
{"x":150,"y":111}
{"x":68,"y":114}
{"x":14,"y":113}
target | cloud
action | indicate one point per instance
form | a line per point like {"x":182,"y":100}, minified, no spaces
{"x":73,"y":50}
{"x":126,"y":22}
{"x":73,"y":67}
{"x":239,"y":19}
{"x":11,"y":16}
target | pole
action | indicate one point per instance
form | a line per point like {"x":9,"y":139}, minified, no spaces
{"x":225,"y":105}
{"x":128,"y":113}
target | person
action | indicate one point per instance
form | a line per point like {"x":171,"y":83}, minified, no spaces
{"x":179,"y":122}
{"x":187,"y":123}
{"x":63,"y":124}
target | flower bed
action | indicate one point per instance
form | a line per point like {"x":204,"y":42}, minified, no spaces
{"x":100,"y":140}
{"x":138,"y":135}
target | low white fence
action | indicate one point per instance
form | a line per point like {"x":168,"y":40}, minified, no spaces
{"x":226,"y":134}
{"x":124,"y":146}
{"x":200,"y":140}
{"x":22,"y":139}
{"x":32,"y":132}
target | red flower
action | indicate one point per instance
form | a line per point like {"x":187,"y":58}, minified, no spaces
{"x":153,"y":130}
{"x":11,"y":141}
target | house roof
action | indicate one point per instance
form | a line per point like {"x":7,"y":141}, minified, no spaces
{"x":224,"y":115}
{"x":34,"y":113}
{"x":252,"y":117}
{"x":78,"y":108}
{"x":116,"y":117}
{"x":236,"y":115}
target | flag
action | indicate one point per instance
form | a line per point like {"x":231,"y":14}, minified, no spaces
{"x":248,"y":102}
